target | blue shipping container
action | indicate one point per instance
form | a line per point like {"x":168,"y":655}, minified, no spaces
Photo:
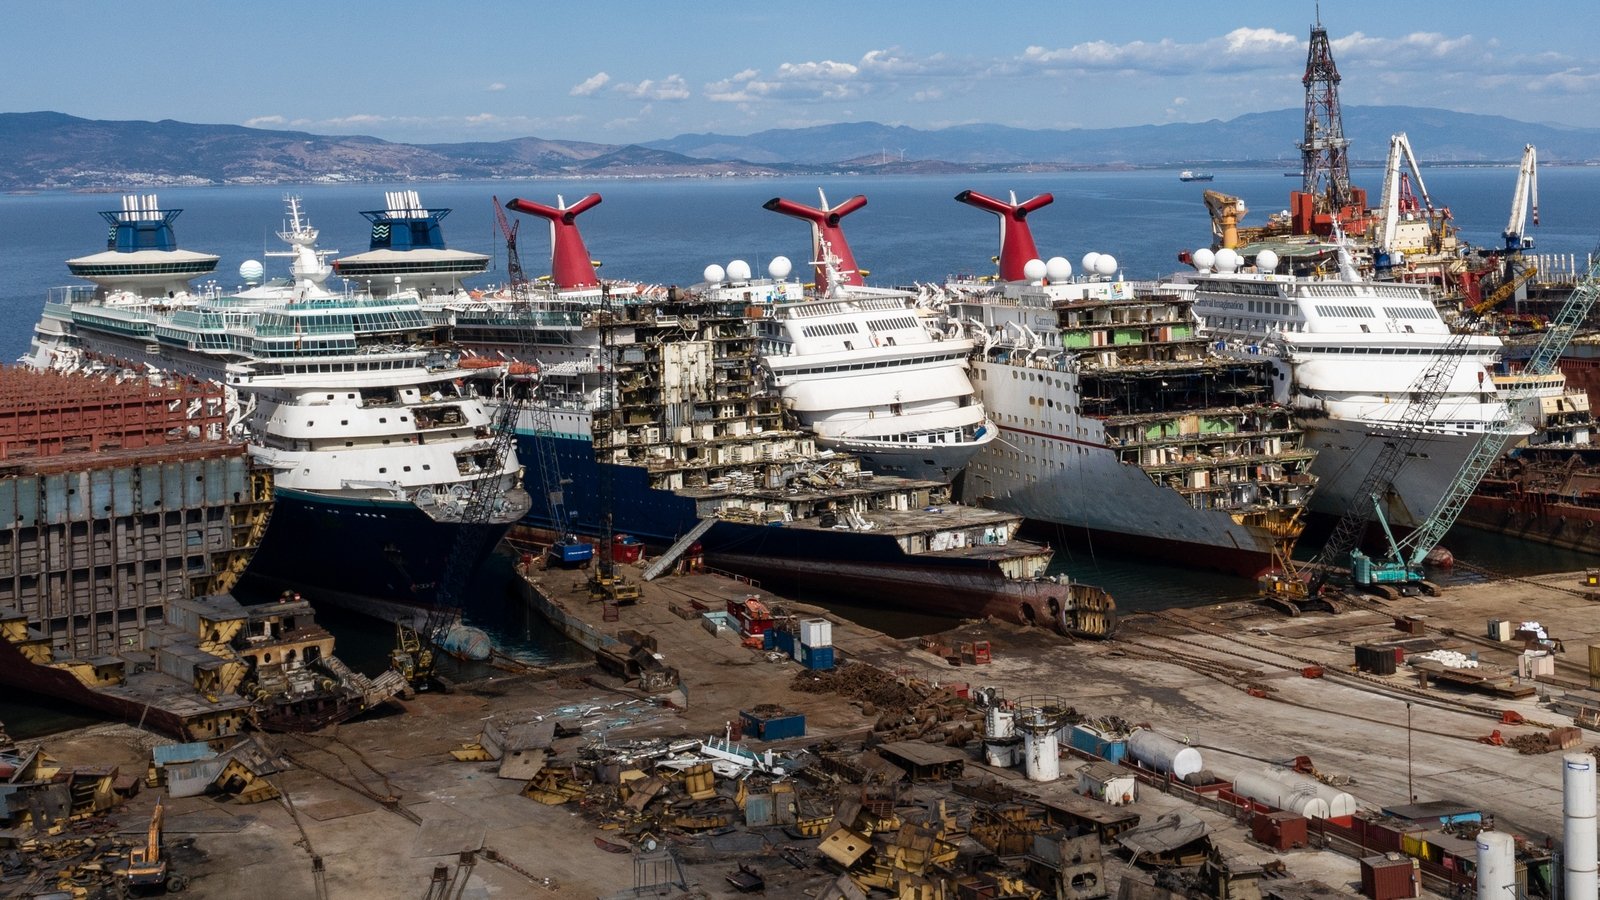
{"x":1090,"y":741}
{"x":816,"y":658}
{"x":784,"y":641}
{"x":773,"y":728}
{"x":769,"y":638}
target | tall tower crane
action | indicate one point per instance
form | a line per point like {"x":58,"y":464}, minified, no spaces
{"x":515,"y":277}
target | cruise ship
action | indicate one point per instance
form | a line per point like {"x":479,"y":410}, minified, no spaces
{"x":868,"y":370}
{"x":1119,"y":423}
{"x":355,"y":402}
{"x":1345,"y":354}
{"x":654,"y":407}
{"x":407,"y":252}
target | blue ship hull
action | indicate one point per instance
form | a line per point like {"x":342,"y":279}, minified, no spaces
{"x":869,"y":567}
{"x":312,"y":543}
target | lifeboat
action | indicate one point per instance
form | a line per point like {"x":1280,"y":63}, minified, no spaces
{"x":478,"y":362}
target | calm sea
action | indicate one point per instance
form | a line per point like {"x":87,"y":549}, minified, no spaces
{"x":668,"y":231}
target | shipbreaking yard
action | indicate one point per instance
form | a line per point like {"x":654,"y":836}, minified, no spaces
{"x":384,"y":801}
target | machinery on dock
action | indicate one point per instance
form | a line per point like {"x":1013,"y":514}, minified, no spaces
{"x":148,"y":868}
{"x":416,"y":651}
{"x":1400,"y":570}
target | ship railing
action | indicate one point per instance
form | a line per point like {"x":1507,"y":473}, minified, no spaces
{"x":69,"y":293}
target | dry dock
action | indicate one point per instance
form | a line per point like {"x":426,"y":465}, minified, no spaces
{"x":381,"y":801}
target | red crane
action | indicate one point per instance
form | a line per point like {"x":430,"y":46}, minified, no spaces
{"x":508,"y":230}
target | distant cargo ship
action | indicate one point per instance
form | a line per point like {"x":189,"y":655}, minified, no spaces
{"x":1188,"y":175}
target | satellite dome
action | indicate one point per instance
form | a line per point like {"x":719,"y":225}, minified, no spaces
{"x":1106,"y":264}
{"x":714,"y":274}
{"x":1204,"y":259}
{"x":1033,"y":270}
{"x":1227,"y":260}
{"x":1266,"y":261}
{"x":1089,"y":261}
{"x":779,"y":267}
{"x":251,"y":271}
{"x":1057,"y":268}
{"x":738,"y":270}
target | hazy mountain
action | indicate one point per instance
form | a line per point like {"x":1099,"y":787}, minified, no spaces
{"x":1436,"y":135}
{"x":49,"y":149}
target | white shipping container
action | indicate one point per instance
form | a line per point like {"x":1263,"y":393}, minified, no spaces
{"x":816,"y":632}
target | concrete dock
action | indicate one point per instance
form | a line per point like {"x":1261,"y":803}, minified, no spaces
{"x":381,"y":801}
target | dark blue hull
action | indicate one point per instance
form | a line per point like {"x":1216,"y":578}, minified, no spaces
{"x":350,"y":551}
{"x":869,"y":567}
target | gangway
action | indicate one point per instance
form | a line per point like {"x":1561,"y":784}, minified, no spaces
{"x":665,"y":560}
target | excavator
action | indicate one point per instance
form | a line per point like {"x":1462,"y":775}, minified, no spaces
{"x":148,"y":869}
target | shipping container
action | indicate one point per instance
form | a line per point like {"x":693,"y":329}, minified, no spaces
{"x":816,"y":658}
{"x":1390,"y":877}
{"x":816,"y":632}
{"x":773,"y":727}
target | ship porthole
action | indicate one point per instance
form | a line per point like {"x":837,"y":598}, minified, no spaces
{"x":1027,"y":614}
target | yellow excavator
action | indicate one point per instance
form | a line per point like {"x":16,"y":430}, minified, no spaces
{"x":148,"y":869}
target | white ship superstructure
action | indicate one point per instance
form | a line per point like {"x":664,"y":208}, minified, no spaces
{"x":867,"y":370}
{"x":1346,"y":354}
{"x":353,"y":401}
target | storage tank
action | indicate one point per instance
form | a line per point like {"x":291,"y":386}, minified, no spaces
{"x":1001,"y":752}
{"x":1339,"y":802}
{"x":1578,"y":820}
{"x":1497,"y":865}
{"x":1163,"y":754}
{"x":1264,"y":787}
{"x":999,"y":723}
{"x":1041,"y":751}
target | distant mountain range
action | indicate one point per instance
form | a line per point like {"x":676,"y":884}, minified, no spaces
{"x":43,"y":150}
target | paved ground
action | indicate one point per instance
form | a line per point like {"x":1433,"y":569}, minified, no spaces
{"x":382,"y":802}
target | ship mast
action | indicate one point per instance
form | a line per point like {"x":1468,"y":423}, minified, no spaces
{"x":1325,"y":166}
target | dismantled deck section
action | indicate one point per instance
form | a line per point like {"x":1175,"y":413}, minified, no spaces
{"x":1202,"y":425}
{"x":690,"y":408}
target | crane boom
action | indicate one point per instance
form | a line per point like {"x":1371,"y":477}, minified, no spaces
{"x":1489,"y":447}
{"x":1526,"y":194}
{"x":514,"y":275}
{"x":1401,"y":159}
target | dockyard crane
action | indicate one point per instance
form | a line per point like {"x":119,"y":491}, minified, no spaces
{"x":1399,"y":198}
{"x":515,"y":278}
{"x":1526,"y":194}
{"x":417,"y":650}
{"x":1226,"y":212}
{"x":1405,"y":556}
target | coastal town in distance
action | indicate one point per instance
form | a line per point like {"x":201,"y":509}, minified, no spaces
{"x":1201,"y":509}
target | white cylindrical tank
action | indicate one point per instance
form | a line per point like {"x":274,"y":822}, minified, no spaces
{"x":1264,"y":787}
{"x":1497,"y":866}
{"x":1339,"y":803}
{"x":1041,"y":753}
{"x":999,"y":724}
{"x":1578,"y":839}
{"x":1001,"y":752}
{"x":1163,"y":754}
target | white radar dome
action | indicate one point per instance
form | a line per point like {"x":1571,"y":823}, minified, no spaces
{"x":1266,"y":261}
{"x":1033,"y":270}
{"x":1090,"y":259}
{"x":251,"y":271}
{"x":779,"y":268}
{"x":1227,"y":260}
{"x":1204,"y":259}
{"x":714,"y":274}
{"x":738,"y":270}
{"x":1057,"y":268}
{"x":1106,"y":264}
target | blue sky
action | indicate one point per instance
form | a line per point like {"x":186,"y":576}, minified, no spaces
{"x":614,"y":72}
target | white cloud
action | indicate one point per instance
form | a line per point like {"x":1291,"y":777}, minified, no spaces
{"x":589,"y":85}
{"x":1242,"y":49}
{"x":672,"y":87}
{"x":265,"y":121}
{"x":496,"y":86}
